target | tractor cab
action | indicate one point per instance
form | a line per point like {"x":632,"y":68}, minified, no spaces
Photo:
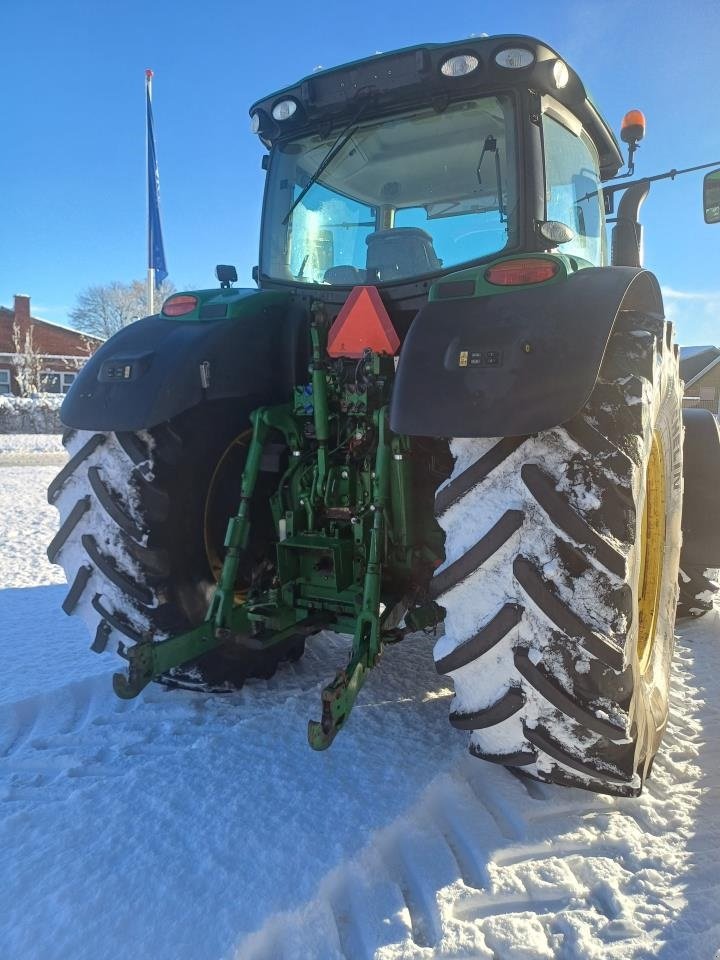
{"x":405,"y":167}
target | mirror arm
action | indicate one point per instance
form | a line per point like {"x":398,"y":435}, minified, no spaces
{"x":670,"y":175}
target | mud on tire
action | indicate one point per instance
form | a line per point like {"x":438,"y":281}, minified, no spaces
{"x":548,"y":556}
{"x":132,"y":536}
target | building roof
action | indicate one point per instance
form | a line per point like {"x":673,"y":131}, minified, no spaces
{"x":694,"y":361}
{"x":54,"y":326}
{"x":687,"y":352}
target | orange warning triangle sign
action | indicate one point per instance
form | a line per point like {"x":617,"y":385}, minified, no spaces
{"x":363,"y":323}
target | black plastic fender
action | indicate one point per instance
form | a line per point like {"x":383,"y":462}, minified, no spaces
{"x":150,"y":371}
{"x":701,"y":498}
{"x":515,"y":363}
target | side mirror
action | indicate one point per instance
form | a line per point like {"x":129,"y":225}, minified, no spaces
{"x":711,"y":196}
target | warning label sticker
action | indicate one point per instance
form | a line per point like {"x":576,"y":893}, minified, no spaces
{"x":480,"y":358}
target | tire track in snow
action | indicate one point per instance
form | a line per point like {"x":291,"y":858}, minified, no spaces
{"x":60,"y":711}
{"x":55,"y":743}
{"x":485,"y":861}
{"x":359,"y":909}
{"x":74,"y":705}
{"x":40,"y":757}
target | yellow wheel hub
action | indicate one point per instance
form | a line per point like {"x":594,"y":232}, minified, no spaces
{"x":652,"y":551}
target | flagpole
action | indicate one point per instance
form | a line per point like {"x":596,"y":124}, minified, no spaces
{"x":157,"y":267}
{"x":151,"y":271}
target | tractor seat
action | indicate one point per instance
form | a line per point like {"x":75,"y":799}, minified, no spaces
{"x":403,"y":252}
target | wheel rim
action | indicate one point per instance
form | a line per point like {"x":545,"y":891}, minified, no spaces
{"x":652,"y":552}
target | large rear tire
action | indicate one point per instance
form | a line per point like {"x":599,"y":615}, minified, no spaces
{"x":142,"y":520}
{"x":560,"y":579}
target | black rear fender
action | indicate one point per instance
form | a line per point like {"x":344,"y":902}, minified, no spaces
{"x":514,"y":363}
{"x":701,"y":499}
{"x":150,"y":371}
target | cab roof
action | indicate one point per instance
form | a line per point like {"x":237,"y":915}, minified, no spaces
{"x":412,"y":75}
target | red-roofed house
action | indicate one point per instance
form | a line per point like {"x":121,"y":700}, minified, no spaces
{"x":63,"y":351}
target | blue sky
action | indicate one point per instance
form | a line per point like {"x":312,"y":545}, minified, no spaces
{"x":72,"y":188}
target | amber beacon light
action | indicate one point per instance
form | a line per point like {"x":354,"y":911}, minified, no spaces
{"x":632,"y":127}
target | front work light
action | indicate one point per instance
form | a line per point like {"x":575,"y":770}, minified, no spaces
{"x":179,"y":304}
{"x":514,"y":58}
{"x":556,"y":231}
{"x":284,"y":109}
{"x":460,"y":65}
{"x":226,"y":274}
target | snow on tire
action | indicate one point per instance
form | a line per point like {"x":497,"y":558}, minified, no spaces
{"x":560,"y":578}
{"x":132,"y":537}
{"x":106,"y":498}
{"x":699,"y":588}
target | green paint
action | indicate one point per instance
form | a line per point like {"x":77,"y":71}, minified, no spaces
{"x":349,"y":541}
{"x":239,"y":303}
{"x":442,"y":289}
{"x":148,"y":660}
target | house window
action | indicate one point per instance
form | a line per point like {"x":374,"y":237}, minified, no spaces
{"x":52,"y":381}
{"x":5,"y":381}
{"x":49,"y":382}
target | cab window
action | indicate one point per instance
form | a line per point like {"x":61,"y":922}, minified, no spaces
{"x":572,"y":189}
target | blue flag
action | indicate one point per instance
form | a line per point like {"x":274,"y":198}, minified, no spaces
{"x":156,"y":251}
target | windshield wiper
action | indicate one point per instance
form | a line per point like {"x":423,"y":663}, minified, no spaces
{"x":490,"y":146}
{"x":340,"y":141}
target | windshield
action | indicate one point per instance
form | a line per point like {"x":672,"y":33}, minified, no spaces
{"x":402,"y":198}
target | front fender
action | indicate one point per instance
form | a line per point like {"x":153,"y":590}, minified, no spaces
{"x":150,"y":371}
{"x":513,"y":363}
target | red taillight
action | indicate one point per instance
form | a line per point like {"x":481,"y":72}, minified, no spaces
{"x":179,"y":304}
{"x":517,"y":272}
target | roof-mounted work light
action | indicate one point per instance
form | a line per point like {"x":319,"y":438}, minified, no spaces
{"x":284,"y":109}
{"x":514,"y":58}
{"x":561,"y":74}
{"x":460,"y":65}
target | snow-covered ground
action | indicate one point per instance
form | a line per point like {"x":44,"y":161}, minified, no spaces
{"x":181,"y":826}
{"x":24,"y":449}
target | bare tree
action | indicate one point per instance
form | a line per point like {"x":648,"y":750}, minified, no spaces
{"x":88,"y":346}
{"x":27,"y":361}
{"x":105,"y":309}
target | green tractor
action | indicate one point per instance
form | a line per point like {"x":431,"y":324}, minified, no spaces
{"x":446,"y":403}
